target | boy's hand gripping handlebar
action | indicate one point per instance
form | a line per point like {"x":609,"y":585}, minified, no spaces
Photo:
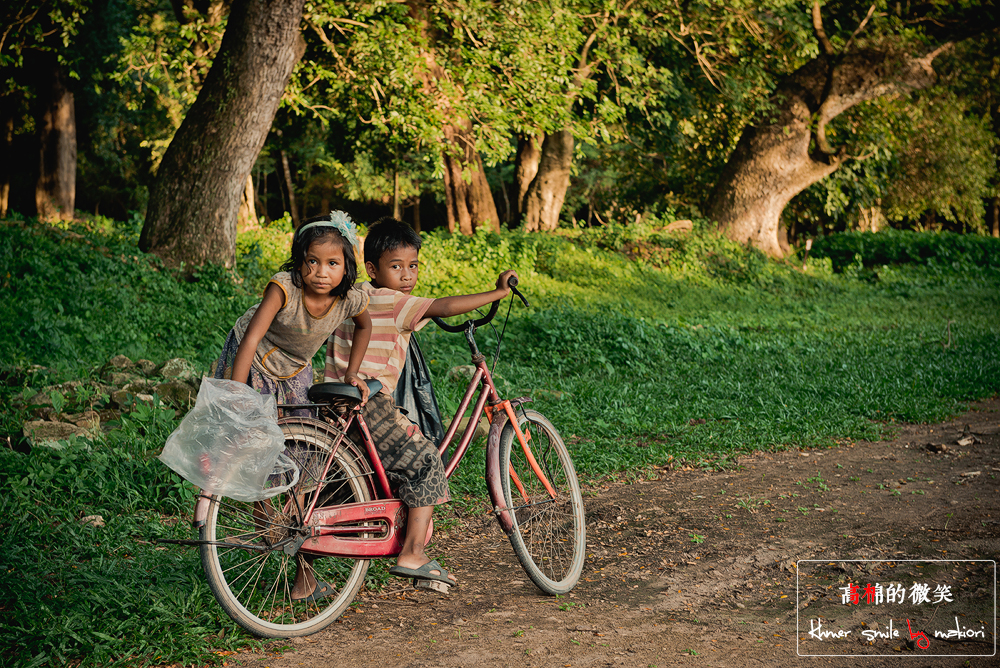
{"x":511,"y":283}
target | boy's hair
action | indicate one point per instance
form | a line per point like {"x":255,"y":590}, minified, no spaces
{"x":300,"y":246}
{"x":387,"y":234}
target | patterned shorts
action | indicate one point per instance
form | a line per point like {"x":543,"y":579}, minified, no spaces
{"x":409,"y":458}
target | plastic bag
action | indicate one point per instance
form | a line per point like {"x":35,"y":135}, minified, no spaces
{"x":415,"y":395}
{"x":230,"y":444}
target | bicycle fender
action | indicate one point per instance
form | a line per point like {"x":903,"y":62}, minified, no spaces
{"x":493,"y":483}
{"x":493,"y":473}
{"x":200,"y":510}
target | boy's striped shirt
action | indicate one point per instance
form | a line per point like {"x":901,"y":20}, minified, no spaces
{"x":395,"y":315}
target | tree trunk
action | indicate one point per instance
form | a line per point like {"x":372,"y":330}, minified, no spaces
{"x":780,"y":155}
{"x":545,"y":195}
{"x":416,"y":214}
{"x":55,"y":191}
{"x":526,"y":166}
{"x":467,"y":193}
{"x":397,"y":204}
{"x":193,"y":203}
{"x":247,"y":216}
{"x":290,"y":189}
{"x":7,"y":111}
{"x":260,"y":197}
{"x":996,"y":216}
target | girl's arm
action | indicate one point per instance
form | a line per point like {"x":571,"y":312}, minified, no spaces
{"x":359,"y":346}
{"x":274,"y":299}
{"x":446,"y":306}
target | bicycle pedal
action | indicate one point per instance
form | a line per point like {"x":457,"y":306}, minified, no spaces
{"x":433,"y":585}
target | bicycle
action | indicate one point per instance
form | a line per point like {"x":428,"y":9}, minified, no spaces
{"x":342,"y":512}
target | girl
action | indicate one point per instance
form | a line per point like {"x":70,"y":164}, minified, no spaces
{"x":272,"y":345}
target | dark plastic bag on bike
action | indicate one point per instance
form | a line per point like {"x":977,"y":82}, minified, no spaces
{"x":230,"y":444}
{"x":415,"y":395}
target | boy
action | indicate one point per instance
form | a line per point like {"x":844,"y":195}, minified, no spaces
{"x":391,"y":258}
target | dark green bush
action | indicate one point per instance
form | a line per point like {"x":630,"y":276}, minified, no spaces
{"x":906,"y":247}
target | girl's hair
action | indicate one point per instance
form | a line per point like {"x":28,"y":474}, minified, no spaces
{"x":300,"y":246}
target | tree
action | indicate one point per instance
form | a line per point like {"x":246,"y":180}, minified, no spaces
{"x":786,"y":148}
{"x":191,"y":217}
{"x":35,"y":66}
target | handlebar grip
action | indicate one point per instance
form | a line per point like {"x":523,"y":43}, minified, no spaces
{"x":454,"y":329}
{"x":512,"y":282}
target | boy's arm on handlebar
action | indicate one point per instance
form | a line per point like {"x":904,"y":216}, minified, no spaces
{"x":447,"y":306}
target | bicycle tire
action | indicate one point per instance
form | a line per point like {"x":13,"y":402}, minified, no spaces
{"x":549,"y":536}
{"x":253,"y":584}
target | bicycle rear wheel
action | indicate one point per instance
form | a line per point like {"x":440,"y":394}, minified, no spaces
{"x":246,"y":564}
{"x":549,"y":535}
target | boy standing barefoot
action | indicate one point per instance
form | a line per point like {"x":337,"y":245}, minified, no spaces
{"x":391,"y":258}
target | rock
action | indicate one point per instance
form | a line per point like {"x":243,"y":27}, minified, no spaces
{"x":89,"y":420}
{"x":63,"y":388}
{"x":679,"y":226}
{"x":40,"y":406}
{"x":93,"y":520}
{"x":178,"y":368}
{"x":121,"y":378}
{"x":43,"y":432}
{"x":482,"y":429}
{"x":463,"y":372}
{"x":146,"y":366}
{"x":127,"y":398}
{"x":138,"y":386}
{"x":120,"y":362}
{"x":177,"y":393}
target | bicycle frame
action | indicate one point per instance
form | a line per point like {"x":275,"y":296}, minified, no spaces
{"x":376,"y":528}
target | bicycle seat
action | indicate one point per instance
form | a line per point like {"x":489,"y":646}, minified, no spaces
{"x":322,"y":393}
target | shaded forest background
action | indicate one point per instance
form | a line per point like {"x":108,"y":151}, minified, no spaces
{"x":773,"y":121}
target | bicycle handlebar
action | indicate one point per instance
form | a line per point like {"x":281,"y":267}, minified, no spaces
{"x":454,"y":329}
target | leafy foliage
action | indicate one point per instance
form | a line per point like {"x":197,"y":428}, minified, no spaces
{"x":109,"y":299}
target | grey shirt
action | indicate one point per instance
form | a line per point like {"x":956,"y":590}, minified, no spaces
{"x":295,"y":334}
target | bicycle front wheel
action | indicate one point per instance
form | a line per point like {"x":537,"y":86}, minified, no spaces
{"x":549,"y":535}
{"x":245,"y":558}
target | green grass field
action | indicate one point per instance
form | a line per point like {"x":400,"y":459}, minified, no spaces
{"x":694,"y":353}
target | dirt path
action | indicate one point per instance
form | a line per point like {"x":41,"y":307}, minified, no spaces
{"x":701,"y":569}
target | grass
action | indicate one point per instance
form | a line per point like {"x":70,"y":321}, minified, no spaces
{"x":693,"y":353}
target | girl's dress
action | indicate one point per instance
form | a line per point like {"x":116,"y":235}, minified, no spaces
{"x":282,"y":363}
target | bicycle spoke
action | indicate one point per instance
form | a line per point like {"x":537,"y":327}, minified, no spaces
{"x":254,"y":583}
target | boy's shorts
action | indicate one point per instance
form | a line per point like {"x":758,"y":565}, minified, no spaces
{"x":409,"y":458}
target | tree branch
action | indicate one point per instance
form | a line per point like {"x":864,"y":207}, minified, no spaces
{"x":824,"y":41}
{"x":330,"y":45}
{"x":861,"y":26}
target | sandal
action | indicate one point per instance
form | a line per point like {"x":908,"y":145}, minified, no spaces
{"x":424,"y":572}
{"x":322,"y":590}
